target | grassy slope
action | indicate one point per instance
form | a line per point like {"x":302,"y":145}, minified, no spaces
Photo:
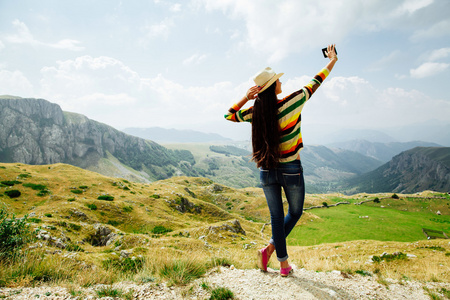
{"x":138,"y":208}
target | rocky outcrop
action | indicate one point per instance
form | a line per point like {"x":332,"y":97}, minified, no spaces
{"x":415,"y":170}
{"x":35,"y":131}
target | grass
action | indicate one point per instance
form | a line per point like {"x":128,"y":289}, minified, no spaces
{"x":348,"y":222}
{"x":182,"y":271}
{"x":174,"y":252}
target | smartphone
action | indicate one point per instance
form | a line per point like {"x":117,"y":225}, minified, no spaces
{"x":324,"y":52}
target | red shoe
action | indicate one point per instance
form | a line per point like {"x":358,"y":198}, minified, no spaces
{"x":285,"y":271}
{"x":262,"y":259}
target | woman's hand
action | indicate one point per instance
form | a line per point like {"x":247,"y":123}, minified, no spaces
{"x":252,"y":92}
{"x":331,"y":52}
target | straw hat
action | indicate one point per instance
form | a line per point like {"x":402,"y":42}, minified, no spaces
{"x":265,"y":78}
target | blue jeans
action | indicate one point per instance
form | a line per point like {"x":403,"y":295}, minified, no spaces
{"x":288,"y":176}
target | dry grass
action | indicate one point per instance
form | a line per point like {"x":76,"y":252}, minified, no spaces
{"x":191,"y":247}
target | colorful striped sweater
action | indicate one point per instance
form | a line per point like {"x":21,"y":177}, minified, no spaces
{"x":289,"y":117}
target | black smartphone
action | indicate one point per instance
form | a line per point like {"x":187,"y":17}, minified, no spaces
{"x":324,"y":52}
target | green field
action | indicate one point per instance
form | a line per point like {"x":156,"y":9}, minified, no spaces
{"x":373,"y":222}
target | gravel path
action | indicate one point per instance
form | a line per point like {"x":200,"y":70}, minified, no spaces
{"x":250,"y":284}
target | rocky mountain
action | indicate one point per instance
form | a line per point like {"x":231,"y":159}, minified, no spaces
{"x":415,"y":170}
{"x":35,"y":131}
{"x":381,"y":151}
{"x":164,"y":135}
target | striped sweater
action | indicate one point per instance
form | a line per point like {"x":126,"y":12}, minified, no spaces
{"x":289,"y":117}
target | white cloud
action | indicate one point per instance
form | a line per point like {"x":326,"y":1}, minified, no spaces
{"x":15,"y":83}
{"x":280,"y":28}
{"x":439,"y":54}
{"x":440,"y":29}
{"x":195,"y":59}
{"x":161,"y":29}
{"x":2,"y":46}
{"x":412,"y":6}
{"x":353,"y":102}
{"x":428,"y":69}
{"x":24,"y":36}
{"x":175,"y":7}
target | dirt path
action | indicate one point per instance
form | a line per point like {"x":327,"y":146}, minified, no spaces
{"x":251,"y":284}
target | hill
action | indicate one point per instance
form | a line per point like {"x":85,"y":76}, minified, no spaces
{"x":380,"y":151}
{"x":101,"y":234}
{"x":411,"y":171}
{"x":35,"y":131}
{"x":323,"y":167}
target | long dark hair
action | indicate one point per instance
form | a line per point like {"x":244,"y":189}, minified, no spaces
{"x":265,"y":129}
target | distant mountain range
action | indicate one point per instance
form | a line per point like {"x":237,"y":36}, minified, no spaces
{"x":415,"y":170}
{"x":163,"y":135}
{"x":381,"y":151}
{"x":35,"y":131}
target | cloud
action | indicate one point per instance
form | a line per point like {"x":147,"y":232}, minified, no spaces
{"x":428,"y":69}
{"x":278,"y":29}
{"x":438,"y":30}
{"x":15,"y":83}
{"x":195,"y":59}
{"x":2,"y":46}
{"x":24,"y":36}
{"x":439,"y":54}
{"x":161,"y":29}
{"x":353,"y":102}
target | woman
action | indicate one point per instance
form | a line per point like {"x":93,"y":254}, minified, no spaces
{"x":277,"y":141}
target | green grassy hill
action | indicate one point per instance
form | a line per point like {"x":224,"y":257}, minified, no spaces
{"x":197,"y":222}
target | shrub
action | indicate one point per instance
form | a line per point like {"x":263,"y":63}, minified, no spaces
{"x":395,"y":196}
{"x":13,"y":193}
{"x":105,"y":197}
{"x":127,"y":208}
{"x":76,"y":191}
{"x":113,"y":222}
{"x":92,"y":206}
{"x":43,"y":193}
{"x":10,"y":182}
{"x":376,"y":200}
{"x":83,"y":187}
{"x":14,"y":234}
{"x":36,"y":187}
{"x":160,"y":230}
{"x":48,"y":215}
{"x":221,"y":293}
{"x":325,"y":204}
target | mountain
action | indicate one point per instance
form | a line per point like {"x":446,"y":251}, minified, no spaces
{"x":323,"y":167}
{"x":415,"y":170}
{"x":163,"y":135}
{"x":381,"y":151}
{"x":35,"y":131}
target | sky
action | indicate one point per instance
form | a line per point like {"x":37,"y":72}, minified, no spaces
{"x":182,"y":64}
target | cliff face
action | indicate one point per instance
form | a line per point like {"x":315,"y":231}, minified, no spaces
{"x":420,"y":169}
{"x":415,"y":170}
{"x":35,"y":131}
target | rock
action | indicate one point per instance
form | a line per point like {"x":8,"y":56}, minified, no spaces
{"x":125,"y":253}
{"x":438,"y":213}
{"x":101,"y":236}
{"x":232,"y":226}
